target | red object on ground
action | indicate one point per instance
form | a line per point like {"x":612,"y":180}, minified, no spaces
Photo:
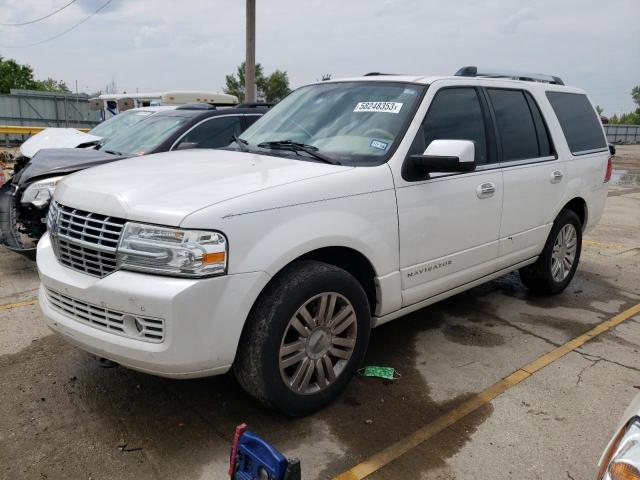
{"x":240,"y":429}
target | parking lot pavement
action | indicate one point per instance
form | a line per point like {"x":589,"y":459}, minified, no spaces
{"x":62,"y":416}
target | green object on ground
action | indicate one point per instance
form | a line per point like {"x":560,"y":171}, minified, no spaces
{"x":380,"y":372}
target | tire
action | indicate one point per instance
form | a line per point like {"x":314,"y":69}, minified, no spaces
{"x":276,"y":353}
{"x":547,"y":276}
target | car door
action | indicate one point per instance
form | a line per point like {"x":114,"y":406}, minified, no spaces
{"x":449,"y":223}
{"x":214,"y":132}
{"x":533,"y":175}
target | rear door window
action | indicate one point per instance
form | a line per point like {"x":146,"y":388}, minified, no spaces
{"x":579,"y":122}
{"x":216,"y":132}
{"x":516,"y":126}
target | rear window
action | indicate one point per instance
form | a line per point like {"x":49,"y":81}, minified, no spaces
{"x":579,"y":122}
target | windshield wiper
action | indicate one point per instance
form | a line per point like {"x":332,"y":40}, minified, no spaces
{"x":242,"y":143}
{"x":113,"y":152}
{"x":299,"y":147}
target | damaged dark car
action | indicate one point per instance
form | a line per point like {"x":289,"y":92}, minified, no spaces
{"x":24,"y":201}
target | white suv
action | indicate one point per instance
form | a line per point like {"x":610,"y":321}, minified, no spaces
{"x":350,"y":204}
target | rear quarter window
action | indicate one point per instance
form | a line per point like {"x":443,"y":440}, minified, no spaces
{"x":579,"y":122}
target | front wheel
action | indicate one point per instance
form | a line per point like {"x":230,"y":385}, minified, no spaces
{"x":305,"y":338}
{"x":557,"y":264}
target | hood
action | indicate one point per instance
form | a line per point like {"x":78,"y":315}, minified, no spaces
{"x":61,"y":161}
{"x":164,"y":188}
{"x":56,"y":138}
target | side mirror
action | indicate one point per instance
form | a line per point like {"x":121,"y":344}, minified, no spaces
{"x":445,"y":156}
{"x":187,"y":145}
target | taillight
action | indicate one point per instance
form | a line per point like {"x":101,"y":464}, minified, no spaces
{"x":607,"y":175}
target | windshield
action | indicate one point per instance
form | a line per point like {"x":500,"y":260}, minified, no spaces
{"x":353,"y":122}
{"x":145,"y":136}
{"x":114,"y":125}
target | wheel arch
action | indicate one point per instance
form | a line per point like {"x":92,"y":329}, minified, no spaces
{"x":346,"y":258}
{"x":578,"y":205}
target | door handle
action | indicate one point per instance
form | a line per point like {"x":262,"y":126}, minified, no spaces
{"x":556,"y":176}
{"x":486,"y":190}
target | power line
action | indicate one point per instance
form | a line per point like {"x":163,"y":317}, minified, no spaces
{"x":38,"y":19}
{"x":61,"y":33}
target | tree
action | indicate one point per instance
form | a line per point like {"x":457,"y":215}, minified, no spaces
{"x":15,"y":75}
{"x":599,"y":109}
{"x":112,"y":86}
{"x":271,"y":88}
{"x":51,"y":85}
{"x":635,"y":95}
{"x":235,"y":83}
{"x":631,"y":118}
{"x":274,"y":87}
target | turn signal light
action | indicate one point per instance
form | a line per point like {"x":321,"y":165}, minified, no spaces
{"x":607,"y":175}
{"x":214,"y":257}
{"x":623,"y":471}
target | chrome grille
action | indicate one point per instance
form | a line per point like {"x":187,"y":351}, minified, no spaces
{"x":85,"y":241}
{"x":148,"y":329}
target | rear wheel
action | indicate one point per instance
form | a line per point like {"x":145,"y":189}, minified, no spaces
{"x":557,"y":264}
{"x":305,"y":338}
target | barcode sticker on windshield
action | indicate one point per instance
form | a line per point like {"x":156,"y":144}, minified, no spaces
{"x":388,"y":107}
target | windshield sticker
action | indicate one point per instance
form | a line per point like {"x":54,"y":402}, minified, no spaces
{"x":387,"y":107}
{"x":379,"y":144}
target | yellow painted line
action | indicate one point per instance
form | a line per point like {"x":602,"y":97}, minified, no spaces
{"x":396,"y":450}
{"x":25,"y":303}
{"x":593,"y":243}
{"x":26,"y":129}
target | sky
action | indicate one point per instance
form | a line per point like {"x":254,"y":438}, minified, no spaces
{"x":160,"y":45}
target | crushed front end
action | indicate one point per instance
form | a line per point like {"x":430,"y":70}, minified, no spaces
{"x":21,"y":225}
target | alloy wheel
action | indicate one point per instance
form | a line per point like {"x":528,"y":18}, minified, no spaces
{"x":318,"y":342}
{"x":564,"y":252}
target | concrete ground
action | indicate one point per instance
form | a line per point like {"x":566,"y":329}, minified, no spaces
{"x":62,"y":416}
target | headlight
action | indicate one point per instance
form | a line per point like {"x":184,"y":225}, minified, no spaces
{"x":39,"y":193}
{"x":170,"y":251}
{"x":622,"y":461}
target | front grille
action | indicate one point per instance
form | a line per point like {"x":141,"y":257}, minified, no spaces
{"x":85,"y":241}
{"x":148,"y":329}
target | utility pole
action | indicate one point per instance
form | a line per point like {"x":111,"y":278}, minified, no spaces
{"x":250,"y":61}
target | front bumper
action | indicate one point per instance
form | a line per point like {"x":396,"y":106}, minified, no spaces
{"x":203,"y":319}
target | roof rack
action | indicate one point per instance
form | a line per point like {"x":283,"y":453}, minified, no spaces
{"x":375,"y":74}
{"x":255,"y":105}
{"x":197,"y":106}
{"x":472,"y":71}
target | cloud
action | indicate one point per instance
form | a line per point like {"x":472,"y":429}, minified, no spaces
{"x":514,"y":22}
{"x":170,"y":44}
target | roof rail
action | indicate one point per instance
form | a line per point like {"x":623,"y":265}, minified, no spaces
{"x":196,"y":106}
{"x":471,"y":71}
{"x":255,"y":105}
{"x":375,"y":74}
